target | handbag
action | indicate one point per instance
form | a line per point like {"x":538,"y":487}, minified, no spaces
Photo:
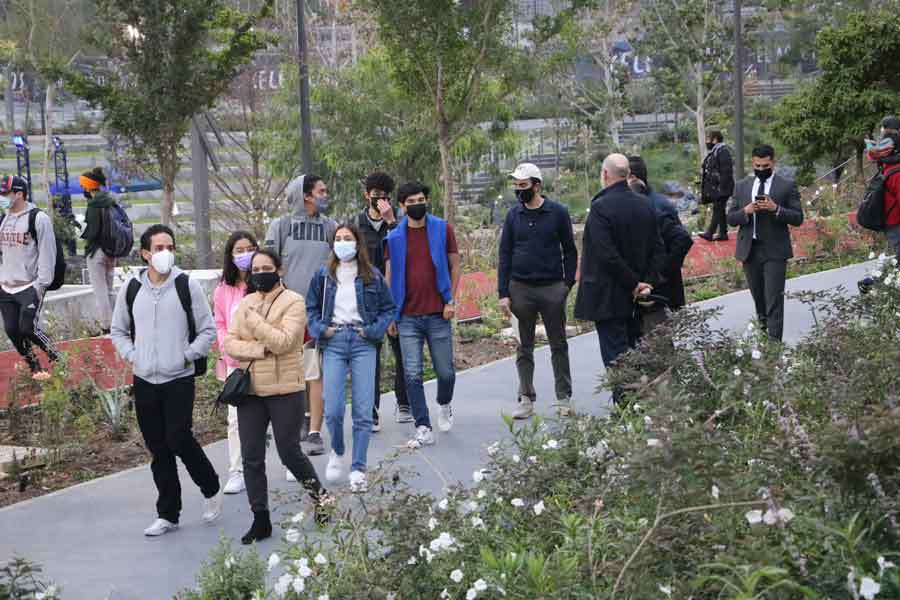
{"x":237,"y":385}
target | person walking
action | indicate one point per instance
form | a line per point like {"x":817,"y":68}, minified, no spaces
{"x":266,"y":336}
{"x":232,"y":288}
{"x":303,"y":240}
{"x":621,"y":257}
{"x":151,"y":330}
{"x":537,"y":264}
{"x":423,"y":270}
{"x":349,"y":307}
{"x":764,"y":205}
{"x":375,"y":222}
{"x":886,"y":154}
{"x":101,"y":267}
{"x":716,"y":185}
{"x":27,"y":262}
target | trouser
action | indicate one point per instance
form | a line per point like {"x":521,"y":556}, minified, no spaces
{"x":100,"y":270}
{"x":617,"y":336}
{"x":21,"y":319}
{"x":165,"y":415}
{"x":437,"y":332}
{"x":718,"y":220}
{"x":285,"y":412}
{"x":346,"y":351}
{"x":548,"y":301}
{"x":765,"y":277}
{"x":399,"y":380}
{"x":893,"y":237}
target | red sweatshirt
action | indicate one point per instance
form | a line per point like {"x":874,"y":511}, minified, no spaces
{"x":891,"y":197}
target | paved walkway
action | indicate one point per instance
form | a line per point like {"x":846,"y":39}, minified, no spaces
{"x":88,"y":537}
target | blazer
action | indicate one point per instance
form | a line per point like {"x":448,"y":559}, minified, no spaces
{"x":622,"y":247}
{"x":677,"y":243}
{"x":771,"y":228}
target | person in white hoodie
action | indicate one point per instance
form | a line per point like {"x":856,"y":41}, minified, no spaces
{"x":26,"y":270}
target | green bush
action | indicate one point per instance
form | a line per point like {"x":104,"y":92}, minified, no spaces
{"x":229,"y":575}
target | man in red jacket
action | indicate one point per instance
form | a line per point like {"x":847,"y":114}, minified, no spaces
{"x":891,"y":129}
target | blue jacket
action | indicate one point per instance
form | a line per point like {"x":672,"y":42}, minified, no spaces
{"x":436,"y":230}
{"x":374,"y":302}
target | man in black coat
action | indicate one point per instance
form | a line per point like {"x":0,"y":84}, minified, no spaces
{"x":764,"y":205}
{"x":716,"y":184}
{"x":677,"y":243}
{"x":621,"y":256}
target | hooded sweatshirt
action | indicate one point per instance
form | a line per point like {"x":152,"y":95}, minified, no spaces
{"x":25,"y":262}
{"x":94,"y":220}
{"x":160,"y":351}
{"x":302,"y":241}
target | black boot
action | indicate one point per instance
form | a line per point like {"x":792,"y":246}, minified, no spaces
{"x":260,"y":530}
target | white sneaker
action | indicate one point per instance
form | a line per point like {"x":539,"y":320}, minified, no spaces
{"x":525,"y":409}
{"x":160,"y":527}
{"x":445,"y":418}
{"x":212,"y":508}
{"x":564,"y":407}
{"x":289,"y":476}
{"x":235,"y":484}
{"x":336,"y":467}
{"x":358,"y":482}
{"x":423,"y":437}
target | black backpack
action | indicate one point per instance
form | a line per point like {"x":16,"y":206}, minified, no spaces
{"x":182,"y":286}
{"x":870,"y":213}
{"x":117,"y":238}
{"x":59,"y":268}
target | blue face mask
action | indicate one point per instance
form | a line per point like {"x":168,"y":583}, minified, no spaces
{"x":4,"y":202}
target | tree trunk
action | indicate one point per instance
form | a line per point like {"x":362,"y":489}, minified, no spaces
{"x":48,"y":135}
{"x":447,"y":176}
{"x":700,"y":115}
{"x":10,"y":101}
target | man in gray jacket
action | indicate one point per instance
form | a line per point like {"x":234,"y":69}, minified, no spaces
{"x":26,"y":270}
{"x":151,"y":330}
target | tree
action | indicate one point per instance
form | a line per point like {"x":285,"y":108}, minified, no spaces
{"x":173,"y":59}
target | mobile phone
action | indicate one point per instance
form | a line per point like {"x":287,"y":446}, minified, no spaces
{"x":759,"y":198}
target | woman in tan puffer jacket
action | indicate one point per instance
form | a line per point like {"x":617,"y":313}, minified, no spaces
{"x":266,"y":334}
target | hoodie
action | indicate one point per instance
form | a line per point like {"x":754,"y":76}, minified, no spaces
{"x":302,"y":241}
{"x":160,"y":351}
{"x":25,"y":262}
{"x":94,"y":219}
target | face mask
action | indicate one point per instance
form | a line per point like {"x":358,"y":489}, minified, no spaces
{"x":242,"y":261}
{"x":525,"y":196}
{"x":345,"y":250}
{"x":265,"y":282}
{"x":322,"y":203}
{"x":4,"y":202}
{"x":762,"y":174}
{"x":416,"y":212}
{"x":162,"y":262}
{"x":710,"y":145}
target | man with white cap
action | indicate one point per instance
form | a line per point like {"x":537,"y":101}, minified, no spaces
{"x":538,"y":259}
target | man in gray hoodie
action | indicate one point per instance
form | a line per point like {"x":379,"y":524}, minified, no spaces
{"x":303,"y":240}
{"x":26,"y":270}
{"x":152,"y":334}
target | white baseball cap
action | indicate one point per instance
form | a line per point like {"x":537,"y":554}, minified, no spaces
{"x":527,"y":171}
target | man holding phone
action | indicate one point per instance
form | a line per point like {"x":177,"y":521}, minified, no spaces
{"x":764,"y":205}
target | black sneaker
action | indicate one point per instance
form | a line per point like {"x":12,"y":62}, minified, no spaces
{"x":403,"y":415}
{"x":376,"y":421}
{"x":313,"y":446}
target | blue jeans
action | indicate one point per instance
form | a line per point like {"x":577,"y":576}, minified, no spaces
{"x":414,"y":332}
{"x":893,"y":237}
{"x":348,"y":350}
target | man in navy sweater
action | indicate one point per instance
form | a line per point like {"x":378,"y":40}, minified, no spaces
{"x":538,"y":259}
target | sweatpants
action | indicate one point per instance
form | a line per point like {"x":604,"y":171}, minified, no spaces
{"x":285,"y":412}
{"x":100,"y":270}
{"x":21,"y":320}
{"x":165,"y":415}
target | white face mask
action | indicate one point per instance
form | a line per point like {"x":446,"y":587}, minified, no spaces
{"x":345,"y":250}
{"x":162,"y":262}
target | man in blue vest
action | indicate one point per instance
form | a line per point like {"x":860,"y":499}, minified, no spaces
{"x":422,"y":267}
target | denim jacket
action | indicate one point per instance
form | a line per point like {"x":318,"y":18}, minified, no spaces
{"x":374,"y":302}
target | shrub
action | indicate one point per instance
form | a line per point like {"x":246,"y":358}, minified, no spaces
{"x":228,"y":575}
{"x":21,"y":580}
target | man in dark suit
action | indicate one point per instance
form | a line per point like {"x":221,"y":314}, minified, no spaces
{"x":621,"y":256}
{"x":764,"y":205}
{"x":716,"y":185}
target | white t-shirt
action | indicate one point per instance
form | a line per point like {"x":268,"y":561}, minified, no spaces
{"x":345,"y":309}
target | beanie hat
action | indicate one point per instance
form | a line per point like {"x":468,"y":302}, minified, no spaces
{"x":93,"y":179}
{"x":891,"y":122}
{"x":13,"y":183}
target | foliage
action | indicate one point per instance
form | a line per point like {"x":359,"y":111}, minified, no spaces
{"x":21,"y":579}
{"x":228,"y":575}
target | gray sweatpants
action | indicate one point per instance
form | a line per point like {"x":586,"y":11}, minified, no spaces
{"x":100,"y":270}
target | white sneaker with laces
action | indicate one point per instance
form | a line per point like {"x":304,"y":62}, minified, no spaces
{"x":160,"y":527}
{"x":525,"y":409}
{"x":445,"y":418}
{"x":235,"y":483}
{"x":212,"y":508}
{"x":336,"y":467}
{"x":358,"y":482}
{"x":424,"y":437}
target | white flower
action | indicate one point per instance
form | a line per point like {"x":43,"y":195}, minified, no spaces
{"x":750,"y":326}
{"x":229,"y":562}
{"x":478,"y":476}
{"x":654,"y":443}
{"x":478,"y":522}
{"x":50,"y":593}
{"x":299,"y":585}
{"x":715,"y":492}
{"x":539,"y":508}
{"x":756,"y":354}
{"x":739,"y":353}
{"x":666,"y":589}
{"x":456,"y":576}
{"x":517,"y":502}
{"x":754,"y":517}
{"x":303,"y":562}
{"x":423,"y":551}
{"x":320,"y":560}
{"x":292,"y":536}
{"x":550,"y":445}
{"x":444,"y":541}
{"x":472,"y":506}
{"x":298,"y":517}
{"x":284,"y":582}
{"x":432,"y":523}
{"x":304,"y":571}
{"x":883,"y":565}
{"x":412,"y":560}
{"x":480,"y":585}
{"x":274,"y":560}
{"x":471,"y":594}
{"x":737,"y":372}
{"x":445,"y":595}
{"x":443,"y":504}
{"x":868,"y":589}
{"x":516,"y":458}
{"x":871,"y":255}
{"x":481,"y":494}
{"x":877,"y":274}
{"x":648,"y":421}
{"x":772,"y":517}
{"x":493,"y":449}
{"x":532,"y":459}
{"x":324,"y":597}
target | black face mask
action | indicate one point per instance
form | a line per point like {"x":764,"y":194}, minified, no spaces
{"x":762,"y":174}
{"x":417,"y":212}
{"x":710,"y":145}
{"x":265,"y":282}
{"x":525,"y":196}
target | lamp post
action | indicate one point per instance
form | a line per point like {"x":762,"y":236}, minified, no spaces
{"x":305,"y":126}
{"x":738,"y":92}
{"x":23,"y":159}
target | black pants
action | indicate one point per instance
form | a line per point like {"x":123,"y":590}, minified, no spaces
{"x":719,"y":219}
{"x":21,"y":319}
{"x":285,"y":412}
{"x":765,"y":277}
{"x":617,"y":336}
{"x":399,"y":379}
{"x":165,"y":414}
{"x":548,"y":301}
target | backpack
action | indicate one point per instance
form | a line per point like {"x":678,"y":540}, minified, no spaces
{"x":182,"y":287}
{"x":117,"y":237}
{"x":59,"y":268}
{"x":870,"y":213}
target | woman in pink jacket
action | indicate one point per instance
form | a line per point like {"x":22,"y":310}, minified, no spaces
{"x":232,"y":288}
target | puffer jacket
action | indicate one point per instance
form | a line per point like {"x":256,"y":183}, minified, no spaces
{"x":273,"y":343}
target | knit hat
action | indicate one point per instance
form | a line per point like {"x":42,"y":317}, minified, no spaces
{"x":11,"y":184}
{"x":891,"y":122}
{"x":638,"y":168}
{"x":92,"y":180}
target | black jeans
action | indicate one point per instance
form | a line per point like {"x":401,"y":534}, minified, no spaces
{"x":617,"y":336}
{"x":399,"y":379}
{"x":549,"y":301}
{"x":165,"y":414}
{"x":765,"y":278}
{"x":285,"y":412}
{"x":719,"y":219}
{"x":21,"y":320}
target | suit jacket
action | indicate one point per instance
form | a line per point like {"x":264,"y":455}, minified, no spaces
{"x":622,"y":247}
{"x":677,"y":243}
{"x":771,"y":227}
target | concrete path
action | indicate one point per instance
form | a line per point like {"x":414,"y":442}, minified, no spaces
{"x":88,"y":538}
